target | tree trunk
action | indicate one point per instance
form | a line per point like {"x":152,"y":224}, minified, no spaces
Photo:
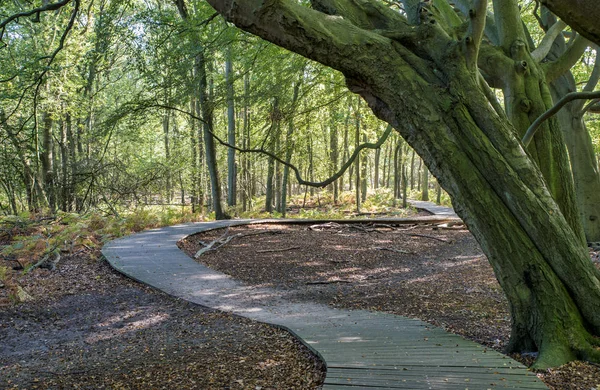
{"x":425,"y":185}
{"x":167,"y":144}
{"x":412,"y":170}
{"x":363,"y":173}
{"x":231,"y":165}
{"x":427,"y":88}
{"x":584,"y":164}
{"x":194,"y":144}
{"x":357,"y":169}
{"x":209,"y":143}
{"x":333,"y":154}
{"x":376,"y":168}
{"x":289,"y":147}
{"x":273,"y":135}
{"x":346,"y":152}
{"x":47,"y":170}
{"x":204,"y":106}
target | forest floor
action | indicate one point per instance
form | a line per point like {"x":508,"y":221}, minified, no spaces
{"x":84,"y":325}
{"x":439,"y":276}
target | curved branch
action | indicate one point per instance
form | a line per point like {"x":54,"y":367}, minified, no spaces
{"x":491,"y":32}
{"x":301,"y":181}
{"x":591,"y":107}
{"x":567,"y":60}
{"x":546,"y":44}
{"x":566,"y":99}
{"x":591,"y":83}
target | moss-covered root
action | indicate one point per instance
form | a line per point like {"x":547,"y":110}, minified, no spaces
{"x":556,"y":354}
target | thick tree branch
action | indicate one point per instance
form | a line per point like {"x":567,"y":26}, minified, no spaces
{"x":567,"y":60}
{"x":331,"y":40}
{"x":369,"y":15}
{"x":566,"y":99}
{"x":491,"y":33}
{"x":508,"y":21}
{"x":546,"y":44}
{"x":477,"y":16}
{"x":448,"y":13}
{"x":581,"y":15}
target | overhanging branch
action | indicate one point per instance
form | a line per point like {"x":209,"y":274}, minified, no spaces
{"x":591,"y":83}
{"x":560,"y":104}
{"x":567,"y":60}
{"x":546,"y":44}
{"x":35,"y":11}
{"x":301,"y":181}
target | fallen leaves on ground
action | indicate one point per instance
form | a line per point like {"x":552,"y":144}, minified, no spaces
{"x":439,"y":276}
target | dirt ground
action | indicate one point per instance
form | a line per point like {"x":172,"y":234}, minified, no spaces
{"x":89,"y":327}
{"x":440,"y":276}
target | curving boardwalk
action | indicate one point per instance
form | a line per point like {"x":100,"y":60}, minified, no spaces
{"x":362,"y":350}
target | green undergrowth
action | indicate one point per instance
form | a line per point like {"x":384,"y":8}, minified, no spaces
{"x":321,"y":205}
{"x":28,"y":238}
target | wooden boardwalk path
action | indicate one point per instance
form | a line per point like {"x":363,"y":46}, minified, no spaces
{"x":362,"y":349}
{"x":433,"y":208}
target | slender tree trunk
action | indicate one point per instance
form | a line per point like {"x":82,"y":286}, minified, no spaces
{"x":311,"y":165}
{"x":334,"y":155}
{"x":273,"y":135}
{"x":167,"y":144}
{"x":396,"y":166}
{"x":376,"y":163}
{"x":46,"y":157}
{"x":231,"y":164}
{"x":363,"y":173}
{"x":204,"y":106}
{"x":346,"y":154}
{"x":412,"y":170}
{"x":64,"y":164}
{"x":194,"y":139}
{"x":289,"y":147}
{"x":425,"y":186}
{"x":357,"y":169}
{"x":247,"y":191}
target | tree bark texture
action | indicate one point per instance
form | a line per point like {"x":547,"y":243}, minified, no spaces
{"x":417,"y":78}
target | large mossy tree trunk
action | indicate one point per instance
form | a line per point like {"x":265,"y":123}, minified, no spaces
{"x":423,"y":80}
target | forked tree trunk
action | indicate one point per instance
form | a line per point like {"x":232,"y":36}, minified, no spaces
{"x":427,"y":87}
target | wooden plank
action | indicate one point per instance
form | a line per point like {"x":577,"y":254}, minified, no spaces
{"x":362,"y":349}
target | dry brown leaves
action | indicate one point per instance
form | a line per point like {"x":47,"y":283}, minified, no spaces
{"x":448,"y":283}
